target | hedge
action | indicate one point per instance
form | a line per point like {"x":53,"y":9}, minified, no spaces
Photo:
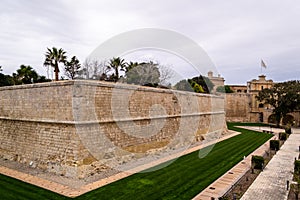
{"x":274,"y":145}
{"x":288,"y":129}
{"x":297,"y":166}
{"x":283,"y":136}
{"x":257,"y":162}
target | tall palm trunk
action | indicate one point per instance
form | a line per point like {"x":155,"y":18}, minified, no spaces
{"x":56,"y":69}
{"x":53,"y":57}
{"x":117,"y":73}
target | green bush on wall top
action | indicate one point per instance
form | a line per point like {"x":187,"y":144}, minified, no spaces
{"x":257,"y":162}
{"x":274,"y":145}
{"x":297,"y":166}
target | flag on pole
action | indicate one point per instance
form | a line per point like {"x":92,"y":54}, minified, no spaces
{"x":263,"y":64}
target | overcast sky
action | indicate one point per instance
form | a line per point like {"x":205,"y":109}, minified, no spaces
{"x":236,"y":34}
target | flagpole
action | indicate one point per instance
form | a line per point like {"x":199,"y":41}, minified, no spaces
{"x":261,"y":69}
{"x":262,"y":64}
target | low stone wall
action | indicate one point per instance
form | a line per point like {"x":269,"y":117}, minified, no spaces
{"x":78,"y":128}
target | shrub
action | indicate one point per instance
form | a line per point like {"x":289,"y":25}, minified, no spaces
{"x":257,"y":162}
{"x":288,"y":129}
{"x":224,"y":89}
{"x":297,"y":166}
{"x":283,"y":136}
{"x":151,"y":84}
{"x":274,"y":145}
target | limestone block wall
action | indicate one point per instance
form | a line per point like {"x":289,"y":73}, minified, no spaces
{"x":73,"y":128}
{"x":237,"y":107}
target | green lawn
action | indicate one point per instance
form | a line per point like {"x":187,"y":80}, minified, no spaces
{"x":183,"y":179}
{"x":11,"y":189}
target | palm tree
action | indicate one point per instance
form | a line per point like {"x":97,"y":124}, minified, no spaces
{"x":72,"y":68}
{"x":130,"y":66}
{"x":53,"y":58}
{"x":25,"y":75}
{"x":116,"y":64}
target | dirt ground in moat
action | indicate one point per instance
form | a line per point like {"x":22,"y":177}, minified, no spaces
{"x":292,"y":195}
{"x":244,"y":183}
{"x":237,"y":191}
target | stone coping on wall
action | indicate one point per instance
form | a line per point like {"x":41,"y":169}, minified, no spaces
{"x":105,"y":84}
{"x":111,"y":121}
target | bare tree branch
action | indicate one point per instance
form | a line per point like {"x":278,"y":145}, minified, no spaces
{"x":166,"y":73}
{"x":94,"y":69}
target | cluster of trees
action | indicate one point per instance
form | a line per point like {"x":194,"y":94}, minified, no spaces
{"x":199,"y":84}
{"x":145,"y":73}
{"x":55,"y":57}
{"x":23,"y":75}
{"x":283,"y":97}
{"x":116,"y":70}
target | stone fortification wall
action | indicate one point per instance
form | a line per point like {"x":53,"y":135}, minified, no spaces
{"x":77,"y":128}
{"x":237,"y":107}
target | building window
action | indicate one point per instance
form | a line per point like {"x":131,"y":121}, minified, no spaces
{"x":239,"y":90}
{"x":261,"y":105}
{"x":262,"y":87}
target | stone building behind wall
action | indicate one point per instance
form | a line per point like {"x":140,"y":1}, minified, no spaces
{"x":238,"y":88}
{"x":217,"y":81}
{"x":242,"y":105}
{"x":259,"y":112}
